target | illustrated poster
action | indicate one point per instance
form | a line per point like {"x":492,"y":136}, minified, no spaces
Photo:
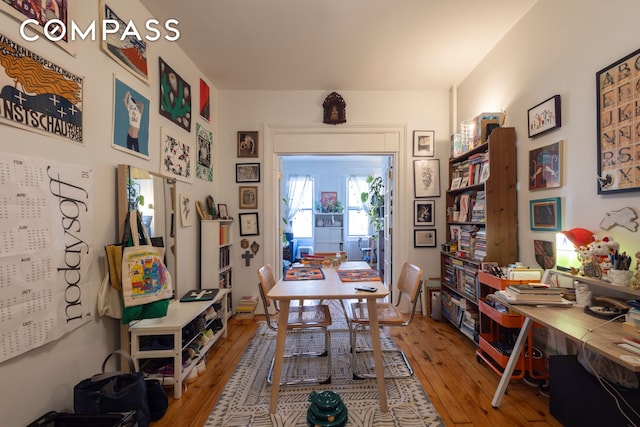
{"x":38,"y":95}
{"x":46,"y":218}
{"x":177,"y":157}
{"x":127,"y":50}
{"x":175,"y":97}
{"x":204,"y":143}
{"x":130,"y":120}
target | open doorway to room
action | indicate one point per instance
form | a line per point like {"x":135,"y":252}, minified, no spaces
{"x":323,"y":209}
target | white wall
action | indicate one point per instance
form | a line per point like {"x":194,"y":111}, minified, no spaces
{"x":42,"y":379}
{"x":557,"y":48}
{"x":253,"y":110}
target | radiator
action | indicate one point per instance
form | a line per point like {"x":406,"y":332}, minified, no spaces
{"x":353,"y":251}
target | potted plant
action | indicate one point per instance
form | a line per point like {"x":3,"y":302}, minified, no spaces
{"x":135,"y":198}
{"x":375,"y":198}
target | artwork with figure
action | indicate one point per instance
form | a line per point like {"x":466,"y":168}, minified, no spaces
{"x":248,"y":144}
{"x":130,"y":123}
{"x":424,"y":212}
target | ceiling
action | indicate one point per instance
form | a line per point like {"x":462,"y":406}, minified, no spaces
{"x":338,"y":44}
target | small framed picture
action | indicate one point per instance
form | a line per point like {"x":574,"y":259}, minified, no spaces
{"x":464,"y":182}
{"x":424,"y":213}
{"x":249,"y":224}
{"x":247,"y":172}
{"x":424,"y":143}
{"x":248,"y":197}
{"x":223,"y":213}
{"x":545,"y":214}
{"x":455,"y":183}
{"x":424,"y":238}
{"x":544,"y":117}
{"x":426,"y":178}
{"x":248,"y":144}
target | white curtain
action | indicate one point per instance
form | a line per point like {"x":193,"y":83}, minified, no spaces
{"x":296,"y":186}
{"x":358,"y":184}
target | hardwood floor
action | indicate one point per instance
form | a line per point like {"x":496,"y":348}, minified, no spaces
{"x":458,"y":385}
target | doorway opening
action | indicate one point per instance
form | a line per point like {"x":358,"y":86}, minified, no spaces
{"x":324,"y":210}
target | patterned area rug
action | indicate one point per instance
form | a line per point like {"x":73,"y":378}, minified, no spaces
{"x":245,"y":399}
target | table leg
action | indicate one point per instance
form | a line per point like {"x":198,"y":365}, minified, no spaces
{"x":511,"y":364}
{"x":283,"y":319}
{"x":377,"y":352}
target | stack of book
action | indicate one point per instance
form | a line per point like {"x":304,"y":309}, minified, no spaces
{"x":533,"y":293}
{"x":246,"y":307}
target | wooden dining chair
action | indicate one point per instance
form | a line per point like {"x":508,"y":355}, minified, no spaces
{"x":302,"y":318}
{"x":389,"y":314}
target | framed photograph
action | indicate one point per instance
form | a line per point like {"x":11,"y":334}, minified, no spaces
{"x":247,"y":172}
{"x":545,"y":214}
{"x":455,"y":183}
{"x":424,"y":238}
{"x":223,"y":213}
{"x":424,"y":143}
{"x":544,"y":167}
{"x":426,"y":178}
{"x":618,"y":134}
{"x":544,"y":117}
{"x":248,"y":197}
{"x":248,"y":144}
{"x":424,"y":213}
{"x":249,"y":224}
{"x":130,"y":120}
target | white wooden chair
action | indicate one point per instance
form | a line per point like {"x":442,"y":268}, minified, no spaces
{"x":315,"y":317}
{"x":389,"y":314}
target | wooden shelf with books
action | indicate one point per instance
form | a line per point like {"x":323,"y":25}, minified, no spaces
{"x":481,"y":216}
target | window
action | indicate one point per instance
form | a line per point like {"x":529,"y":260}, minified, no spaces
{"x":302,"y":222}
{"x":358,"y":217}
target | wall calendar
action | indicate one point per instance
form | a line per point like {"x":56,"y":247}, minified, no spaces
{"x":46,"y":229}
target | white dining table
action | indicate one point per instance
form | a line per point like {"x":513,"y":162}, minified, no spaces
{"x":331,"y":287}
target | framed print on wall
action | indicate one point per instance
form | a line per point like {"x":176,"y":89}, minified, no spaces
{"x":127,"y":50}
{"x":423,"y":143}
{"x":130,"y":120}
{"x":544,"y":167}
{"x":204,"y":163}
{"x":248,"y":197}
{"x":175,"y":97}
{"x":424,"y":212}
{"x":247,"y":172}
{"x":249,"y":224}
{"x":248,"y":144}
{"x":545,"y":214}
{"x":424,"y":238}
{"x":176,"y":158}
{"x":544,"y":117}
{"x":52,"y":10}
{"x":426,"y":178}
{"x":618,"y":128}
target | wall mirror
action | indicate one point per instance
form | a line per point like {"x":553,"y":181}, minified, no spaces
{"x":154,"y":196}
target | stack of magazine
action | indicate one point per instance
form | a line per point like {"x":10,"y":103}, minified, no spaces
{"x":532,"y":293}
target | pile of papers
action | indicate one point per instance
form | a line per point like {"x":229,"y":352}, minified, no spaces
{"x":246,"y":307}
{"x":533,"y":294}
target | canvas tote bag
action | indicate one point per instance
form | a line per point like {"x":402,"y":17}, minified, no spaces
{"x":145,"y":278}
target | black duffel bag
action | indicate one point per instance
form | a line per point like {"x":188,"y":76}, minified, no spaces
{"x":120,"y":392}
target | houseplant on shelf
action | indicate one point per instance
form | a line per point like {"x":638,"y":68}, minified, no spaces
{"x":375,"y":199}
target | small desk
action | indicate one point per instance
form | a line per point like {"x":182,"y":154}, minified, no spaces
{"x":575,"y":324}
{"x":329,"y":288}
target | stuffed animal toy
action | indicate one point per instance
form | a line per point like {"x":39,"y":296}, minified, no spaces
{"x":601,"y":251}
